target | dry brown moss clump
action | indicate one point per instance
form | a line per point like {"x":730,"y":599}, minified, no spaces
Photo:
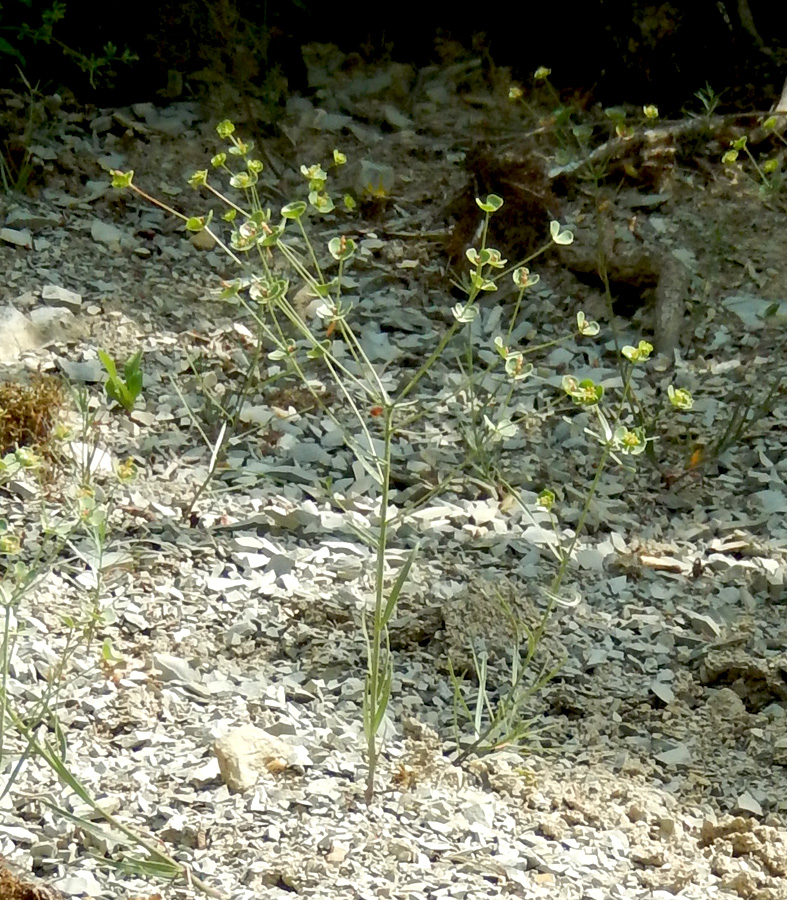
{"x":28,"y":412}
{"x":14,"y":888}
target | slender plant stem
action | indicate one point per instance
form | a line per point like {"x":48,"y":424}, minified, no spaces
{"x":377,"y":657}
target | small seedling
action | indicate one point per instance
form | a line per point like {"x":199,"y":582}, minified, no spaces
{"x":123,"y":390}
{"x":709,"y":99}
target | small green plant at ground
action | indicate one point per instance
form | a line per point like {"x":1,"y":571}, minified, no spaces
{"x":373,"y":413}
{"x":769,"y":170}
{"x":125,"y":390}
{"x":709,"y":99}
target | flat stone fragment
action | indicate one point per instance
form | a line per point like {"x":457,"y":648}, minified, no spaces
{"x":245,"y":753}
{"x":60,"y":296}
{"x":17,"y":334}
{"x":20,"y":237}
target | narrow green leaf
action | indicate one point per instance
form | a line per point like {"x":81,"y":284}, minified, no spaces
{"x":108,"y":363}
{"x":384,"y":695}
{"x":401,"y":578}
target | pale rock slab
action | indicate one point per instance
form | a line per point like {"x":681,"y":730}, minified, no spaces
{"x":247,"y":752}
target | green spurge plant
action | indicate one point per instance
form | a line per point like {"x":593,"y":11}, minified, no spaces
{"x":372,"y":415}
{"x":499,"y":722}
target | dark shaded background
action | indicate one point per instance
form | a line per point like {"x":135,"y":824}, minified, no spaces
{"x":621,"y":51}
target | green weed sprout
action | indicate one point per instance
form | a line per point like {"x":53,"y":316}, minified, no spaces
{"x":125,"y":390}
{"x":767,"y":170}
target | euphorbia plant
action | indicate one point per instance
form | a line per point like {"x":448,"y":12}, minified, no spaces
{"x":371,"y":415}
